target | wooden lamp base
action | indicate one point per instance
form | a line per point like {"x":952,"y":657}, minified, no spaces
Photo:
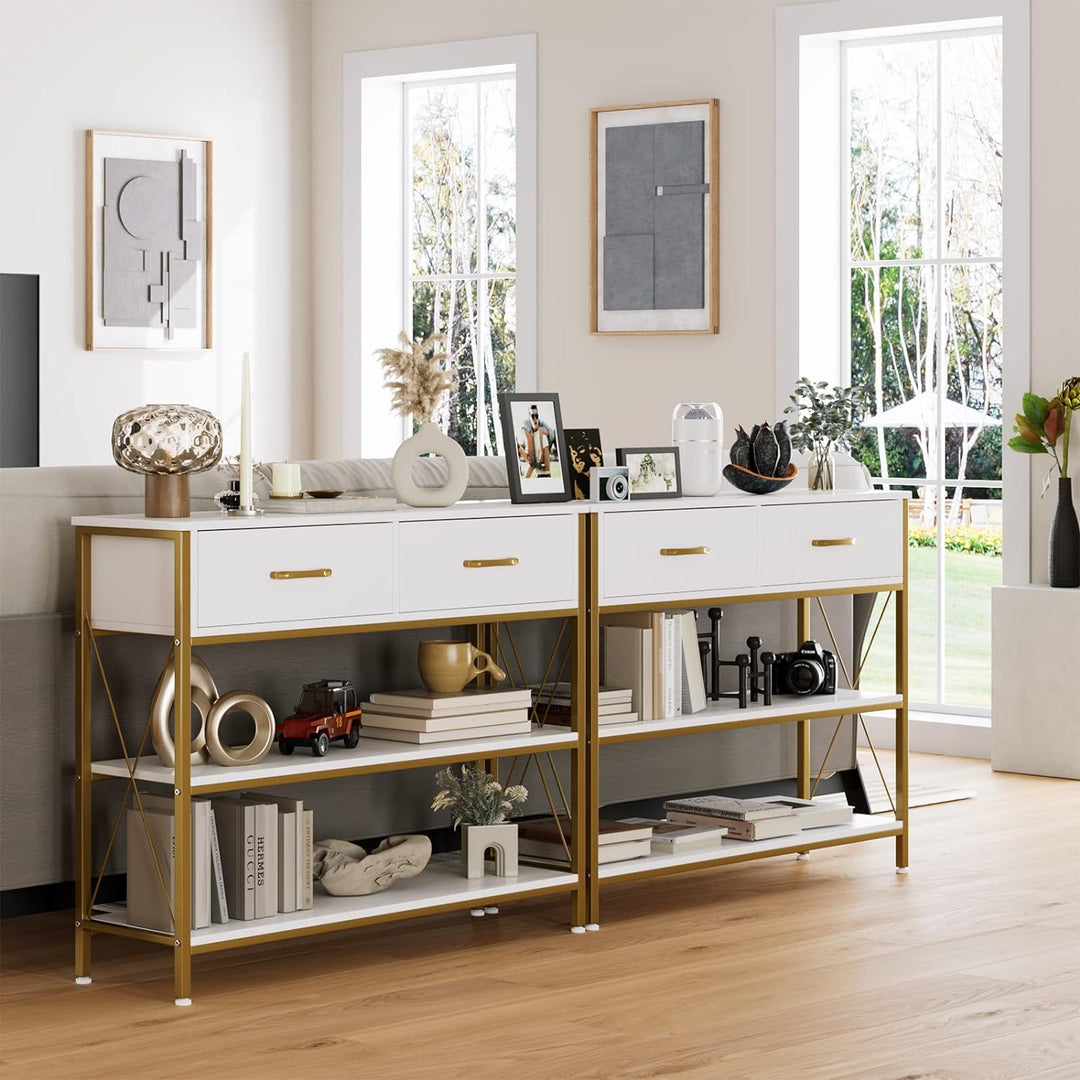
{"x":167,"y":495}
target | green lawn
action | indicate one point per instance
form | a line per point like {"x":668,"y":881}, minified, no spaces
{"x":968,"y":579}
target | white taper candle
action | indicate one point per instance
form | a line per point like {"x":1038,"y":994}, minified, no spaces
{"x":245,"y":436}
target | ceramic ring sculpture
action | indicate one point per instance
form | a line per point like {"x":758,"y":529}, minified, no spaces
{"x":429,"y":439}
{"x":261,"y":741}
{"x":203,"y":693}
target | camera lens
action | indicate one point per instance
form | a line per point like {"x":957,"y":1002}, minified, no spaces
{"x":617,"y":487}
{"x":805,"y":677}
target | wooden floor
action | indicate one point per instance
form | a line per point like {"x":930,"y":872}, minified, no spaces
{"x":969,"y":967}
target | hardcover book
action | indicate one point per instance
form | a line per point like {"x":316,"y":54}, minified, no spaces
{"x":383,"y":717}
{"x":555,"y":855}
{"x":522,"y":727}
{"x":725,"y":807}
{"x":236,"y":836}
{"x":765,"y":829}
{"x":430,"y":703}
{"x":289,"y":851}
{"x":546,"y":830}
{"x":671,"y":837}
{"x":813,"y":814}
{"x":628,"y":661}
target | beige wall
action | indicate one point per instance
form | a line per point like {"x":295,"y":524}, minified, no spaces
{"x":592,"y":54}
{"x":237,"y":73}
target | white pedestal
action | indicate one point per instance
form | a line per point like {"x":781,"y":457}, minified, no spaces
{"x":1035,"y":705}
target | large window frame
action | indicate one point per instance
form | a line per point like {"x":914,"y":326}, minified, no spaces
{"x":376,"y":303}
{"x":812,"y":321}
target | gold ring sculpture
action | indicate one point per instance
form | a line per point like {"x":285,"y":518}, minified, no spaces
{"x":203,"y":693}
{"x":261,"y":741}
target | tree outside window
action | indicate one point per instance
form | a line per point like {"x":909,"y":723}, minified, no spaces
{"x":461,"y":273}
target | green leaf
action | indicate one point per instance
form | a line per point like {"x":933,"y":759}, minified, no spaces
{"x":1025,"y":446}
{"x":1035,"y":410}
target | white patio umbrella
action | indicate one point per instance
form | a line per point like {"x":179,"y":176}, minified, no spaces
{"x":921,"y":411}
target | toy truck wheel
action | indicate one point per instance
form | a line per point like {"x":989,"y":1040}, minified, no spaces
{"x":352,"y":740}
{"x":285,"y":746}
{"x":319,"y":744}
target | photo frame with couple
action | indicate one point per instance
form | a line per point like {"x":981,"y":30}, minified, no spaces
{"x":537,"y":467}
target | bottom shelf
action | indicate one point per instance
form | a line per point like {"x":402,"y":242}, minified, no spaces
{"x":441,"y":884}
{"x":863,"y":827}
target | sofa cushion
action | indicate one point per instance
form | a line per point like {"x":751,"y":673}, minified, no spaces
{"x":487,"y":476}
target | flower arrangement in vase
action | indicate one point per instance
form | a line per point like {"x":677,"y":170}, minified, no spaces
{"x":483,"y":808}
{"x":1040,"y":428}
{"x":826,"y":418}
{"x":419,"y":374}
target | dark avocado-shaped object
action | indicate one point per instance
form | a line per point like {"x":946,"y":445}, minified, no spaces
{"x":740,"y":449}
{"x":783,"y":443}
{"x":766,"y":451}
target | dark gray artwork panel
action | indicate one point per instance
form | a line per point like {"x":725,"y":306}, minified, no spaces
{"x":628,"y":273}
{"x":151,"y":244}
{"x":654,"y":219}
{"x":679,"y":254}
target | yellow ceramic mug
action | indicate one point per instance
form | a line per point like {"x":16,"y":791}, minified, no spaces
{"x":447,"y":666}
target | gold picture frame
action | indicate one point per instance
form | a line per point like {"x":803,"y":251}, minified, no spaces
{"x":670,"y":255}
{"x":191,"y":303}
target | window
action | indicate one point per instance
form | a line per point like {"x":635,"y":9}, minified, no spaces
{"x":439,"y":223}
{"x":461,"y":241}
{"x":924,"y":274}
{"x":902,"y":264}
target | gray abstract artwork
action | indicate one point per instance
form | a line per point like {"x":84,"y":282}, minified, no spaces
{"x":151,"y":244}
{"x":654,"y":217}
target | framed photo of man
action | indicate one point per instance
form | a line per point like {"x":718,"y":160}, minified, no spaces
{"x":537,"y":469}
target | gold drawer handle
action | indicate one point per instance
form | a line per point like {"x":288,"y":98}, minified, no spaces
{"x":701,"y":549}
{"x":474,"y":564}
{"x":840,"y":541}
{"x":288,"y":575}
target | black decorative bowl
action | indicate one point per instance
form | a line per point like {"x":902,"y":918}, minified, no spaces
{"x":754,"y":483}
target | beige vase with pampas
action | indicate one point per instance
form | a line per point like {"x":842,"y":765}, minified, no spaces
{"x":419,"y":375}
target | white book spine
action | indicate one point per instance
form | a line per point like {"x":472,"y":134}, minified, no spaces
{"x":219,"y":905}
{"x":309,"y":851}
{"x":286,"y":869}
{"x":676,"y":664}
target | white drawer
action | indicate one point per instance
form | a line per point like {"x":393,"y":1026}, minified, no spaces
{"x":434,"y":558}
{"x":833,"y":541}
{"x":260,"y":576}
{"x":673,"y":552}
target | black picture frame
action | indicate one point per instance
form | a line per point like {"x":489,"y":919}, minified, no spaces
{"x":537,"y":470}
{"x":662,"y":469}
{"x":584,"y":451}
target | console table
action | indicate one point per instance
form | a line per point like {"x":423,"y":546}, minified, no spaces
{"x":210,"y":579}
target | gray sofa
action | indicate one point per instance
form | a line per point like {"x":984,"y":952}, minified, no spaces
{"x":37,"y":677}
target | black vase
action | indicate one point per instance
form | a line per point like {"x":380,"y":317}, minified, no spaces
{"x":1065,"y":540}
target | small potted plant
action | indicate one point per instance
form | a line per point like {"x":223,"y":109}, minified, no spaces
{"x":1040,"y":429}
{"x":483,"y":808}
{"x":827,"y":416}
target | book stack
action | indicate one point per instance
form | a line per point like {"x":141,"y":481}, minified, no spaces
{"x":677,"y":837}
{"x":554,"y":704}
{"x":744,"y":819}
{"x":538,"y":841}
{"x":813,"y":814}
{"x":423,"y":716}
{"x":656,"y":654}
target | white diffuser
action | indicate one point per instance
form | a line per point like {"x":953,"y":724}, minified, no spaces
{"x":697,"y":429}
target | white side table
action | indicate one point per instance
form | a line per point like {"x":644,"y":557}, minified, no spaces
{"x":1035,"y":688}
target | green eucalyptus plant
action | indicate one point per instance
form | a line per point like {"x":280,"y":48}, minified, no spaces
{"x":827,"y":416}
{"x":475,"y":797}
{"x":1043,"y":424}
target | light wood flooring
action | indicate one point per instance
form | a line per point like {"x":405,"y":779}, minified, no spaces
{"x":966,"y":969}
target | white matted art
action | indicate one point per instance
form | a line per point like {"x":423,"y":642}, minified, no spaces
{"x":654,"y":233}
{"x":148,"y":242}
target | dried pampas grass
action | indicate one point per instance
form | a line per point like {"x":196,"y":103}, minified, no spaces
{"x":417,"y":379}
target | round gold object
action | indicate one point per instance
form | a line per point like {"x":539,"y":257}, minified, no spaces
{"x":260,"y":743}
{"x":203,"y":693}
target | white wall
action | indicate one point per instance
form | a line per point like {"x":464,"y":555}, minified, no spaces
{"x":237,"y":72}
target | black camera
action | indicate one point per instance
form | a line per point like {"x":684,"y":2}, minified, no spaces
{"x":811,"y":670}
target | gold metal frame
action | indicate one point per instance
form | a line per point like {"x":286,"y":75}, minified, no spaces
{"x":581,"y":654}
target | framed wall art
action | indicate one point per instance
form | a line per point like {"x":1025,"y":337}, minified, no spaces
{"x":654,"y":219}
{"x":537,"y":468}
{"x":653,"y":471}
{"x":149,"y":241}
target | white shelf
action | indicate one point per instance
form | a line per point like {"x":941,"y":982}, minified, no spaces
{"x":863,"y":827}
{"x":440,"y":883}
{"x":726,"y":712}
{"x":371,"y":755}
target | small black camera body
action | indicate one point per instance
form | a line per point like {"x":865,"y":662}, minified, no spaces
{"x":810,"y":670}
